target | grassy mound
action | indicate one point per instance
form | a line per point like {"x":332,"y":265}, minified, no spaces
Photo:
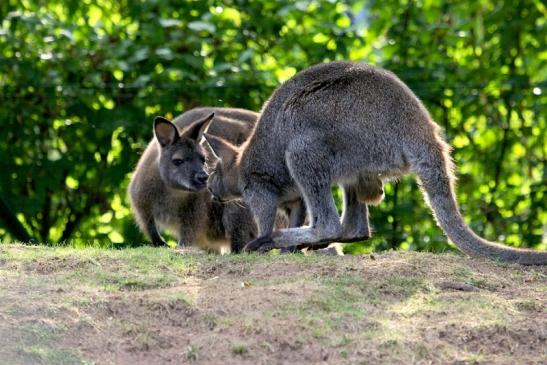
{"x":149,"y":306}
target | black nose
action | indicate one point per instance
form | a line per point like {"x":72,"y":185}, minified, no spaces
{"x":201,"y":177}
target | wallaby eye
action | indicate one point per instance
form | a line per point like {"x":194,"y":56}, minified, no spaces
{"x":178,"y":161}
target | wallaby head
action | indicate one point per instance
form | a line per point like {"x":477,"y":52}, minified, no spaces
{"x":182,"y":159}
{"x":223,"y":183}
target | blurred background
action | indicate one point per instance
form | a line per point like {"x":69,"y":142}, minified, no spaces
{"x":81,"y":80}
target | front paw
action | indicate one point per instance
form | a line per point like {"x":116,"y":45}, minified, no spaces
{"x":261,"y":244}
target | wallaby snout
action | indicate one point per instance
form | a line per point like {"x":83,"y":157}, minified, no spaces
{"x":200,"y":179}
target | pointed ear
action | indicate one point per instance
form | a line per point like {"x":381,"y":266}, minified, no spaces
{"x":222,"y":149}
{"x":196,"y":130}
{"x":166,"y":133}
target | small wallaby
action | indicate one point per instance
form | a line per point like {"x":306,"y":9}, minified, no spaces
{"x":351,"y":124}
{"x":167,"y":189}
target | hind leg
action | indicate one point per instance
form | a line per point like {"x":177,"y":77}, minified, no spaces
{"x":325,"y":225}
{"x":311,"y":172}
{"x":297,"y":213}
{"x":368,"y":190}
{"x":297,"y":218}
{"x":355,"y":215}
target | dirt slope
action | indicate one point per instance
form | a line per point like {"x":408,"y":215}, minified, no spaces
{"x":154,"y":306}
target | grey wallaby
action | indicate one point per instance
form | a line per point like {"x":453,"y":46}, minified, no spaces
{"x":351,"y":124}
{"x":167,"y":189}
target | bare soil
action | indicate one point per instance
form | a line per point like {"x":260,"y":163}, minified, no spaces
{"x":157,"y":306}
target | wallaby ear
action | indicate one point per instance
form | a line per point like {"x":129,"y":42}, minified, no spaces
{"x":196,"y":130}
{"x":222,"y":149}
{"x":166,"y":133}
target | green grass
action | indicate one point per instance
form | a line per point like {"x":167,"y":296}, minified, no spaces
{"x":239,"y":348}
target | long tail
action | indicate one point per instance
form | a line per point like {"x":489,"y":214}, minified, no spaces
{"x":437,"y":181}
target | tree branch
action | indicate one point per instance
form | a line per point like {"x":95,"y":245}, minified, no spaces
{"x":12,"y":224}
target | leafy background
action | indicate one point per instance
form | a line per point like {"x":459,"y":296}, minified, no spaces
{"x":80,"y":82}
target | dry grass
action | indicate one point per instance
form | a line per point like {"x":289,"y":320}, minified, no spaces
{"x":152,"y":306}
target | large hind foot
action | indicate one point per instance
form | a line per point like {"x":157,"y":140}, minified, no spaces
{"x":311,"y":238}
{"x":303,"y":237}
{"x":261,"y":244}
{"x":293,"y":239}
{"x":289,"y":239}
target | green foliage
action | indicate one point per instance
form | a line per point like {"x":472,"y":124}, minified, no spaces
{"x":81,"y":81}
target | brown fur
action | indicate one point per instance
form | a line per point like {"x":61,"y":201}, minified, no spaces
{"x":164,"y":198}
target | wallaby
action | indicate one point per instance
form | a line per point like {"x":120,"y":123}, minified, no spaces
{"x":167,"y":189}
{"x":343,"y":123}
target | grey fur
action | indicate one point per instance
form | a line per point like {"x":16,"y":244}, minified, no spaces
{"x":351,"y":124}
{"x":168,"y":197}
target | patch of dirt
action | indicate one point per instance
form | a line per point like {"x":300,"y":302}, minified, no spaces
{"x":50,"y":265}
{"x":449,"y":285}
{"x":498,"y":343}
{"x":520,"y":339}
